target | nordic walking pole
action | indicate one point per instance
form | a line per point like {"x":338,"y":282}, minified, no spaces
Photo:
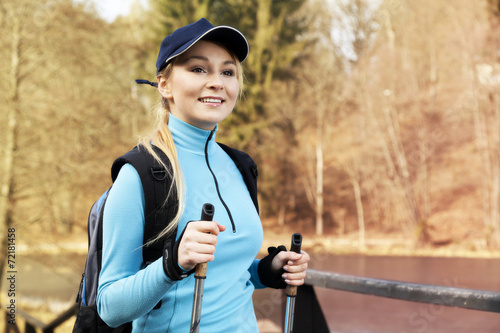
{"x":200,"y":274}
{"x":291,"y":291}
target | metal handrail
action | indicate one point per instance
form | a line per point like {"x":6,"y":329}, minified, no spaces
{"x":32,"y":324}
{"x":472,"y":299}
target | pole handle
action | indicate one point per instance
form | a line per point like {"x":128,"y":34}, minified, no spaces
{"x":296,"y":242}
{"x":207,"y":214}
{"x":295,"y":247}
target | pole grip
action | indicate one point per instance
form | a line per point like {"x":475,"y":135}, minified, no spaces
{"x":295,"y":247}
{"x":207,"y":214}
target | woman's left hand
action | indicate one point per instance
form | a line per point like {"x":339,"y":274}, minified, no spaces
{"x":294,"y":264}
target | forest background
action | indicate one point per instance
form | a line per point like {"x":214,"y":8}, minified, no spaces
{"x":372,"y":122}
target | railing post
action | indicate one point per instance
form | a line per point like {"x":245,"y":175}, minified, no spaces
{"x":28,"y":328}
{"x":73,"y":310}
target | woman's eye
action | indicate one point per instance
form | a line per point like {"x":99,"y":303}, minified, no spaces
{"x":228,"y":72}
{"x":198,"y":70}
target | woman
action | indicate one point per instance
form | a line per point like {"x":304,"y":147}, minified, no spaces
{"x":199,"y":78}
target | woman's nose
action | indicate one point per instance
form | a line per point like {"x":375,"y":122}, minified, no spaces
{"x":215,"y":83}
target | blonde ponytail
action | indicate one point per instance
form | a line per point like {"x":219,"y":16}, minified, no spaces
{"x":162,"y":138}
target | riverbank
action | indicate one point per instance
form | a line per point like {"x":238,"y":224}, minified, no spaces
{"x":376,"y":245}
{"x":380,"y":245}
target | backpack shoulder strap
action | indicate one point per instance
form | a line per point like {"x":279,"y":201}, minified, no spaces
{"x":88,"y":292}
{"x":156,"y":184}
{"x":248,"y":170}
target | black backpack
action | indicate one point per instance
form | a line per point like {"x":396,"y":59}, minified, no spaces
{"x":156,"y":183}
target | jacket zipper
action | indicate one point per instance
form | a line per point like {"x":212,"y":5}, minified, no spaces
{"x":217,"y":183}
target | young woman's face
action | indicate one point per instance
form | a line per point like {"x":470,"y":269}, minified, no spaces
{"x":203,"y":86}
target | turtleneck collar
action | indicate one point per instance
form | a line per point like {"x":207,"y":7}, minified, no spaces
{"x":189,"y":137}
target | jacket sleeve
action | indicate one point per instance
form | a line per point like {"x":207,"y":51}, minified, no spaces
{"x":127,"y":290}
{"x":254,"y":275}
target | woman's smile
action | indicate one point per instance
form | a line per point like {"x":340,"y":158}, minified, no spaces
{"x":212,"y":101}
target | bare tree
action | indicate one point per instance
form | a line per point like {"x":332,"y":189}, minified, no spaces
{"x":13,"y":16}
{"x":486,"y":115}
{"x":354,"y":178}
{"x":322,"y":84}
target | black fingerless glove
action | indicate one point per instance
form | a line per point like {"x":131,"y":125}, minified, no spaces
{"x":267,"y":275}
{"x":171,"y":262}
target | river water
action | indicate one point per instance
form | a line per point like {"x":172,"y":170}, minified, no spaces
{"x":54,"y":280}
{"x":355,"y":313}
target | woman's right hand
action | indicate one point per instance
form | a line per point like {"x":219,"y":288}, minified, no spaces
{"x":198,"y":243}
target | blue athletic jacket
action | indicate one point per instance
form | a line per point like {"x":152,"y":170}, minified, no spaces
{"x":129,"y":291}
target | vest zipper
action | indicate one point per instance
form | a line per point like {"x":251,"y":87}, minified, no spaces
{"x":217,"y":183}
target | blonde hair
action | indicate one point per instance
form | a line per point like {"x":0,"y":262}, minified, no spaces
{"x":162,"y":138}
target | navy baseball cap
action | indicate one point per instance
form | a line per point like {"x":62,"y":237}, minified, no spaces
{"x":183,"y":38}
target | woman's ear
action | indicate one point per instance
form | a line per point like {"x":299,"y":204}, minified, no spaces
{"x":164,"y":87}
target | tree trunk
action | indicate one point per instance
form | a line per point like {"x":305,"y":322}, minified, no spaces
{"x":403,"y":173}
{"x":319,"y":179}
{"x":359,"y":208}
{"x":12,"y":105}
{"x":495,"y":169}
{"x":481,"y":136}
